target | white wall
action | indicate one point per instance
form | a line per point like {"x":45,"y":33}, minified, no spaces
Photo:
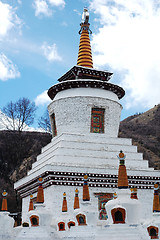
{"x":73,"y":107}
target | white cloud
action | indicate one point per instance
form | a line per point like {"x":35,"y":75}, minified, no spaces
{"x":42,"y":8}
{"x":8,"y":19}
{"x":7,"y":69}
{"x":128,"y":41}
{"x":19,"y":1}
{"x":64,"y":24}
{"x":50,"y":52}
{"x":76,"y":11}
{"x":57,"y":3}
{"x":42,"y":99}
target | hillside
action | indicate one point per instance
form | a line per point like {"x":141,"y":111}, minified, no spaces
{"x":17,"y":153}
{"x":144,"y":129}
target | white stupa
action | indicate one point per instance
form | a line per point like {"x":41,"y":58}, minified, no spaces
{"x":85,"y":115}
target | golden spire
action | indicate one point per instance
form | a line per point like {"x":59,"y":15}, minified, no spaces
{"x":86,"y":196}
{"x":85,"y":54}
{"x":64,"y":204}
{"x":31,"y":203}
{"x":76,"y":199}
{"x":156,"y":206}
{"x":122,"y":173}
{"x":40,"y":194}
{"x":4,"y":201}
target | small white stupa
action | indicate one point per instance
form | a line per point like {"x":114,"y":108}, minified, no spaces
{"x":6,"y":222}
{"x":125,"y":208}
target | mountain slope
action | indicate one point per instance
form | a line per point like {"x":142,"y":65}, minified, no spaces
{"x":17,"y":153}
{"x":144,"y":129}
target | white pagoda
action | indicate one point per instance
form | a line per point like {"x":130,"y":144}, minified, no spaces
{"x":85,"y":115}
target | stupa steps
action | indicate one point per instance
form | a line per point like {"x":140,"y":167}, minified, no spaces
{"x":121,"y":232}
{"x":124,"y":231}
{"x":90,"y":138}
{"x":90,"y":150}
{"x":123,"y":236}
{"x":82,"y":232}
{"x":80,"y":152}
{"x":88,"y":146}
{"x":88,"y":162}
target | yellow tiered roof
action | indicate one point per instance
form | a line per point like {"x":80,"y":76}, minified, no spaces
{"x":85,"y":54}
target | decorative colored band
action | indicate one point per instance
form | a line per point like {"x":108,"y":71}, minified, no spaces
{"x":121,"y":187}
{"x":84,"y":27}
{"x":122,"y":162}
{"x":156,"y":192}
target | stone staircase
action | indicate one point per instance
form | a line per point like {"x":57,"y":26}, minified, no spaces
{"x":77,"y":150}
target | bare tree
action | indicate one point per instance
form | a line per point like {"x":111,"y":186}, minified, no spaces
{"x":18,"y":115}
{"x":44,"y":122}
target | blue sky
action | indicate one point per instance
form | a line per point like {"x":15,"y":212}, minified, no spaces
{"x":39,"y":42}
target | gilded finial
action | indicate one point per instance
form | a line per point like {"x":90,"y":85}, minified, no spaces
{"x":31,"y":196}
{"x":156,"y":186}
{"x":4,"y":194}
{"x":85,"y":177}
{"x":76,"y":191}
{"x":40,"y":180}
